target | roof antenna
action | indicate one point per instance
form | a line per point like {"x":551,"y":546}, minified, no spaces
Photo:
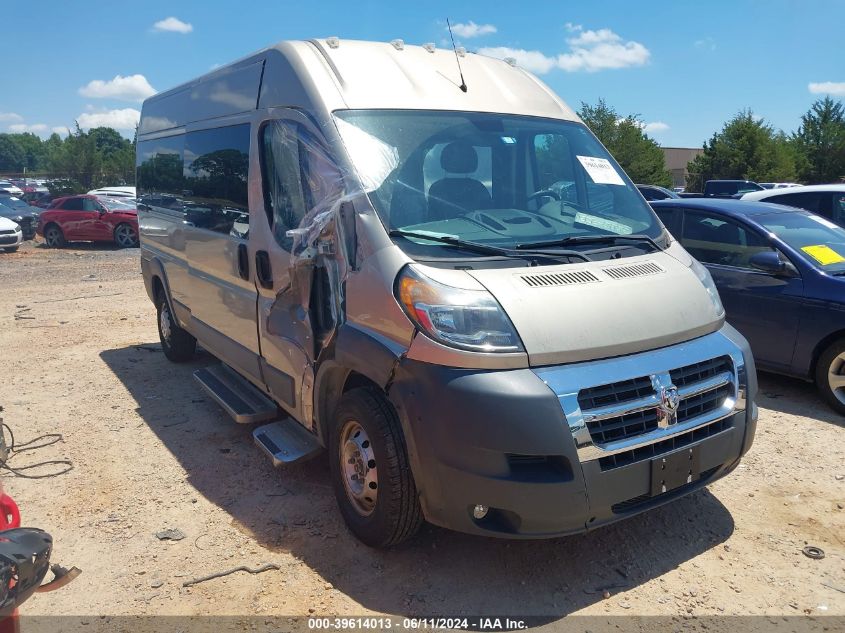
{"x":463,"y":85}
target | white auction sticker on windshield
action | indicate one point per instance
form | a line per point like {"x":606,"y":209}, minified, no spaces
{"x":600,"y":170}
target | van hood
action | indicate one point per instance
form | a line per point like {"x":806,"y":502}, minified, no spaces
{"x":578,"y":312}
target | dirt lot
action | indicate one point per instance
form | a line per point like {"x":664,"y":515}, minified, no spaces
{"x":80,"y":356}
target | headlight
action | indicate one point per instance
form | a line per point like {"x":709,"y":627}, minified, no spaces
{"x":707,"y":281}
{"x":17,"y":228}
{"x":458,"y":317}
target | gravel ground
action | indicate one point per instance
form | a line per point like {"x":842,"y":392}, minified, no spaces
{"x":80,"y":356}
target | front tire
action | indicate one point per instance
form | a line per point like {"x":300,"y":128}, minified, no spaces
{"x":125,"y":236}
{"x":830,"y":375}
{"x":176,"y":343}
{"x":370,"y":472}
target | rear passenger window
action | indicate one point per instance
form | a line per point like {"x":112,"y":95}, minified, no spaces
{"x":215,"y":180}
{"x":298,"y":177}
{"x":808,"y":200}
{"x":159,"y":174}
{"x":74,"y":204}
{"x":714,"y":240}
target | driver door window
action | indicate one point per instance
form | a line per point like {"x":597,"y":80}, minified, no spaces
{"x":715,"y":240}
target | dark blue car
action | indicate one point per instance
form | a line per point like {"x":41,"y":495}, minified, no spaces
{"x":781,"y":274}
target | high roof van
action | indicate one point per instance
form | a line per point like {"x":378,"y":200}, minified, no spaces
{"x":422,"y":264}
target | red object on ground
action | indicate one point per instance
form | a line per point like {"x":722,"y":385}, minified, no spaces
{"x":89,"y":218}
{"x":10,"y":516}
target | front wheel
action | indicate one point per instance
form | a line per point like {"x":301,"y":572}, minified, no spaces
{"x":371,"y":475}
{"x":830,"y":375}
{"x":176,"y":343}
{"x":125,"y":236}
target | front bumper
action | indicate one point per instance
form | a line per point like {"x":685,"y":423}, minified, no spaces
{"x":501,"y":439}
{"x":11,"y":239}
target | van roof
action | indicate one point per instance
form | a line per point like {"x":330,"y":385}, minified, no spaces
{"x":324,"y":75}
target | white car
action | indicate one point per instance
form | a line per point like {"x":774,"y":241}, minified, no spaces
{"x":778,"y":185}
{"x":114,"y":192}
{"x":10,"y":188}
{"x":11,"y":235}
{"x":825,"y":200}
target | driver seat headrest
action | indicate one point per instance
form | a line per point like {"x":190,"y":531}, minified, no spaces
{"x":459,"y":157}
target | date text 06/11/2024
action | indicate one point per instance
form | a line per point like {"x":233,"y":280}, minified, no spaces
{"x":475,"y":624}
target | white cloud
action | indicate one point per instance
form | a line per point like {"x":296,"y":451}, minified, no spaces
{"x":836,"y":88}
{"x":589,"y":51}
{"x":10,"y":116}
{"x":61,"y":130}
{"x":129,"y":88}
{"x":35,"y":128}
{"x":173,"y":25}
{"x":655,"y":127}
{"x":534,"y":61}
{"x":471,"y":29}
{"x":705,"y":43}
{"x":123,"y":119}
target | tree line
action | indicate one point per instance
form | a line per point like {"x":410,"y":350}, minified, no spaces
{"x":81,"y":161}
{"x":747,"y":148}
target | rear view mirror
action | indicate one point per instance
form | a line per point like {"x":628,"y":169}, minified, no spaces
{"x":768,"y":261}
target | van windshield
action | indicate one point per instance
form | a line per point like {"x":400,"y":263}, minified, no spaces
{"x":493,"y":179}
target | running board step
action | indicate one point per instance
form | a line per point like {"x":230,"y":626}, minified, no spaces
{"x":286,"y":442}
{"x":240,"y":399}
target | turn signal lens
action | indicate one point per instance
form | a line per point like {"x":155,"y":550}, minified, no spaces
{"x":458,"y":317}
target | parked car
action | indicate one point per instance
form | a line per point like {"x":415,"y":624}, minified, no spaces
{"x":88,"y":218}
{"x":826,"y":200}
{"x":10,"y":188}
{"x":778,"y":185}
{"x":656,"y":192}
{"x":11,"y":236}
{"x":114,"y":192}
{"x":781,"y":274}
{"x":725,"y":189}
{"x":482,"y":322}
{"x":19,"y":211}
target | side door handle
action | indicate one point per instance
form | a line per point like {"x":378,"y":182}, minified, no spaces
{"x":263,"y":270}
{"x":243,"y":262}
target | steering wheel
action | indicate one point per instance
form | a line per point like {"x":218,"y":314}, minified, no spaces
{"x":544,"y":192}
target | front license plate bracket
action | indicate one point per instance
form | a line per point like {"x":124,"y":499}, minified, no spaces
{"x":674,"y":470}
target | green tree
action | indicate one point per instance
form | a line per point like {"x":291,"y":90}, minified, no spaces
{"x":638,"y":154}
{"x":747,"y":148}
{"x":12,"y":157}
{"x":79,"y":160}
{"x":820,"y":142}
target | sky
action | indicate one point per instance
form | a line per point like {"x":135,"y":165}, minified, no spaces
{"x":683,"y":67}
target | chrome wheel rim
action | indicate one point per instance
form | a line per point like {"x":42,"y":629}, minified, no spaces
{"x":52,"y":236}
{"x":358,"y":468}
{"x":125,"y":235}
{"x":164,"y":323}
{"x":836,"y":377}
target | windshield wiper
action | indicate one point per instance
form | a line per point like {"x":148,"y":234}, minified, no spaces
{"x":589,"y":239}
{"x":486,"y":249}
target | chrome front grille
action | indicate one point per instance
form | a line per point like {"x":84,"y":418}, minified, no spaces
{"x":631,"y":406}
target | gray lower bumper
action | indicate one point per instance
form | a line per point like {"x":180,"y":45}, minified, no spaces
{"x":501,"y":439}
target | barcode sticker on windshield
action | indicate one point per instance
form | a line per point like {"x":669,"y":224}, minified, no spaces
{"x":823,"y":254}
{"x":824,"y":222}
{"x":603,"y":223}
{"x":600,"y":170}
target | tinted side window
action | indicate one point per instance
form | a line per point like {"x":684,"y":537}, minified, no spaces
{"x":298,"y":177}
{"x":159,"y":174}
{"x":807,"y":200}
{"x":838,"y":211}
{"x":89,"y":204}
{"x":671,"y":219}
{"x":215,"y":180}
{"x":73,"y":204}
{"x":715,"y":240}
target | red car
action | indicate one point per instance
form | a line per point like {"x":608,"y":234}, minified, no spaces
{"x":90,"y":219}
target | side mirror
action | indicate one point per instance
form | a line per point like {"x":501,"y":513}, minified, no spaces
{"x":768,"y":261}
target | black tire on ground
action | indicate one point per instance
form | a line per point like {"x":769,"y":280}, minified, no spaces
{"x":396,"y":515}
{"x":53,"y":236}
{"x":830,"y":375}
{"x":177,"y":344}
{"x":12,"y":249}
{"x":125,"y":236}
